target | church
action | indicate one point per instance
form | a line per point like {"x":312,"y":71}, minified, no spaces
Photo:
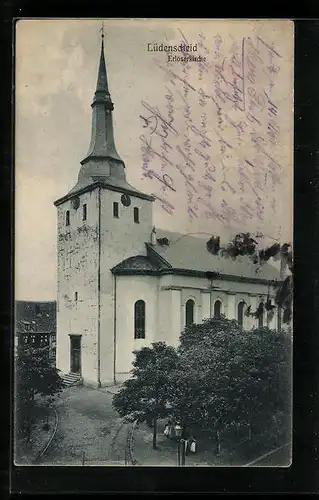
{"x":123,"y":284}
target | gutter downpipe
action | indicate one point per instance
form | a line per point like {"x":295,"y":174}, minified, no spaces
{"x":99,"y":295}
{"x":114,"y":333}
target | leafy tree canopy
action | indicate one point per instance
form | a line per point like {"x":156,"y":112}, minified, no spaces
{"x":218,"y":376}
{"x":247,"y":244}
{"x":36,"y":381}
{"x":35,"y":374}
{"x":147,"y":393}
{"x":227,"y":375}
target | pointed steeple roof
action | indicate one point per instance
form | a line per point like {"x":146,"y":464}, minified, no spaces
{"x":102,"y":165}
{"x":102,"y":146}
{"x":102,"y":84}
{"x":102,"y":93}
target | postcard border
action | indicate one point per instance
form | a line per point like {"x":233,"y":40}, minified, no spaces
{"x":301,"y":476}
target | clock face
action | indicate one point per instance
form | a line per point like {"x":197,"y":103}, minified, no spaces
{"x":76,"y":203}
{"x":126,"y":200}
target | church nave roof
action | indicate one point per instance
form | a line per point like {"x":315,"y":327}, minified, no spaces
{"x":184,"y":254}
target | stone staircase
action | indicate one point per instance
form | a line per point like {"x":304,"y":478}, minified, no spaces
{"x":70,"y":379}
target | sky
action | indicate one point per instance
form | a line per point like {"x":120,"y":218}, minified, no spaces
{"x":211,"y":140}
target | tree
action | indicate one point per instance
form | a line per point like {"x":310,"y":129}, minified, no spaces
{"x":146,"y":395}
{"x":37,"y":382}
{"x":226,"y":375}
{"x":245,"y":244}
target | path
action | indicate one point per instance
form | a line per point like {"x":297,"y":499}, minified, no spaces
{"x":87,"y":424}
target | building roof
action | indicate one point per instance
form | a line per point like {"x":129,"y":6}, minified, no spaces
{"x":176,"y":253}
{"x":185,"y":251}
{"x":136,"y":263}
{"x":35,"y":317}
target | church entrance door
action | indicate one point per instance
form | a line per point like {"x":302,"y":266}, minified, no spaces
{"x":75,"y":351}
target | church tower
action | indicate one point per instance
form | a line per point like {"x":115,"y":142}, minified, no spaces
{"x":101,"y":221}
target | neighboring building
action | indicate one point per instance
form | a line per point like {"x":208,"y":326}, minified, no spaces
{"x":35,"y":324}
{"x":121,"y":283}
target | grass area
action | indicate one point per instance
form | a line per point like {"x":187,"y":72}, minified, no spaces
{"x":26,"y":451}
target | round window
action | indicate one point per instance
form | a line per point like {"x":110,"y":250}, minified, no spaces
{"x":126,"y":200}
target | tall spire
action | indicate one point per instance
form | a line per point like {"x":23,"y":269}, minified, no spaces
{"x":102,"y":164}
{"x":102,"y":159}
{"x":102,"y":88}
{"x":102,"y":76}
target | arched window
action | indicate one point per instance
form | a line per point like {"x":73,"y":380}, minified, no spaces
{"x":217,"y":309}
{"x":139,"y":319}
{"x":189,"y":312}
{"x":240,"y":313}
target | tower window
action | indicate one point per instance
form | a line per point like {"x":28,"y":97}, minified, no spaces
{"x":217,"y":309}
{"x":139,"y":319}
{"x":115,"y":209}
{"x":76,"y":296}
{"x":84,"y":212}
{"x":189,"y":312}
{"x":240,"y":313}
{"x":67,"y":218}
{"x":261,"y":319}
{"x":279,"y":319}
{"x":136,"y":215}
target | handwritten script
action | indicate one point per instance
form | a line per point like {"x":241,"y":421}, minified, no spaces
{"x":215,"y":140}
